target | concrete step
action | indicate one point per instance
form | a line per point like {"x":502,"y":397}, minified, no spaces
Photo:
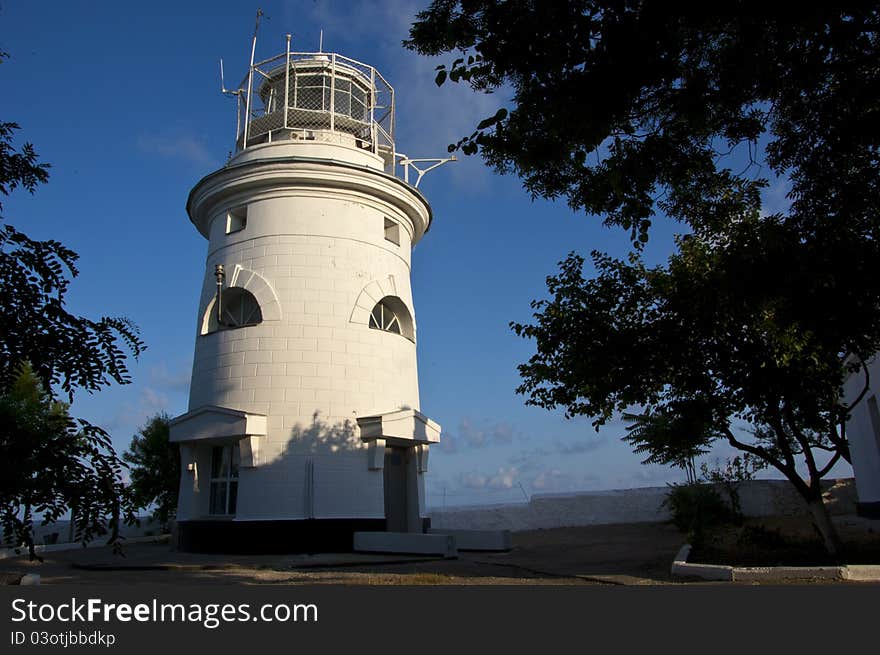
{"x":410,"y":543}
{"x":484,"y":540}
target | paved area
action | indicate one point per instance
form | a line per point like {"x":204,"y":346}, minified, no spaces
{"x":626,"y":554}
{"x":610,"y":554}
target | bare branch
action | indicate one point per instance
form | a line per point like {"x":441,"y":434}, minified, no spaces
{"x":801,"y":438}
{"x":781,"y":441}
{"x":829,"y":465}
{"x":865,"y":388}
{"x":757,"y":451}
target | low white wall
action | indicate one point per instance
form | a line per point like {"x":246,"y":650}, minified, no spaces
{"x":644,"y":505}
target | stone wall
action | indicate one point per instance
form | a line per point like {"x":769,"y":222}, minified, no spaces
{"x":644,"y":505}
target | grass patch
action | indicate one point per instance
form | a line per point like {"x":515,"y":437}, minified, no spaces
{"x":426,"y":579}
{"x":783,"y":542}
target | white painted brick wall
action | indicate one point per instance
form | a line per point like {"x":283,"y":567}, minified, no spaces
{"x":642,"y":505}
{"x":317,"y":249}
{"x":863,"y":432}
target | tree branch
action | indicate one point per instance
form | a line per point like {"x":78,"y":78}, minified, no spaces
{"x":781,"y":441}
{"x":865,"y":388}
{"x":830,"y":464}
{"x":801,"y":438}
{"x":841,"y":441}
{"x":757,"y":451}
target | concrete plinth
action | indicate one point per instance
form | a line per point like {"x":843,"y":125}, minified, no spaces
{"x":485,"y":540}
{"x":410,"y":543}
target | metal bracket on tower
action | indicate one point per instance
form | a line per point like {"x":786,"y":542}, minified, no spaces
{"x":220,"y":275}
{"x":223,"y":89}
{"x":408,"y":163}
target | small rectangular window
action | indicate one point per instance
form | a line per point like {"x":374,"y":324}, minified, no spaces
{"x":224,"y":480}
{"x":392,"y":231}
{"x":236,"y":219}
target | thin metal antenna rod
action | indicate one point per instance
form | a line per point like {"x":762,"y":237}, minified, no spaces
{"x":247,"y":104}
{"x":321,"y":42}
{"x":223,"y":89}
{"x":230,"y":93}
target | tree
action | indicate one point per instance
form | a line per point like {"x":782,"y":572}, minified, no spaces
{"x":52,"y":462}
{"x":684,"y":114}
{"x":64,"y":349}
{"x":672,"y":438}
{"x":155,"y":469}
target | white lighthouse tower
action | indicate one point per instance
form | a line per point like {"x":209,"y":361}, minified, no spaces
{"x":304,"y":424}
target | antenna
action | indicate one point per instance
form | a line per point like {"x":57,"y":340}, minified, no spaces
{"x":230,"y":93}
{"x":223,"y":89}
{"x":247,"y":104}
{"x":321,"y":42}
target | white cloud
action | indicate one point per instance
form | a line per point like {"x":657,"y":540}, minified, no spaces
{"x":774,"y":198}
{"x":528,"y":458}
{"x":347,"y":22}
{"x":448,"y":444}
{"x":531,"y":460}
{"x":513,"y":483}
{"x":580,"y":447}
{"x":183,"y":147}
{"x":475,"y":437}
{"x":153,"y":401}
{"x":552,"y":480}
{"x":502,"y":479}
{"x":132,"y":415}
{"x":471,"y":480}
{"x":428,"y":117}
{"x":471,"y":435}
{"x":172,"y":381}
{"x":650,"y":476}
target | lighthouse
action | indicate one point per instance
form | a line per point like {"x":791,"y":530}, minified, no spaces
{"x":303,"y":424}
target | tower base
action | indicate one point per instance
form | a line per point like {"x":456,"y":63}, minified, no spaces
{"x":273,"y":537}
{"x":868,"y":510}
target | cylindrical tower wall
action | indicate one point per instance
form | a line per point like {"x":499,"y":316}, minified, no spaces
{"x":316,"y":253}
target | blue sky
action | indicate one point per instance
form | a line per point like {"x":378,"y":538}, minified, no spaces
{"x":123,"y":100}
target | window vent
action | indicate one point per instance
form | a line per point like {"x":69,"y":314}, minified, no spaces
{"x":236,"y":219}
{"x":392,"y":231}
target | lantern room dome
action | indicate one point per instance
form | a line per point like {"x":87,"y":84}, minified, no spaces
{"x":317,"y":96}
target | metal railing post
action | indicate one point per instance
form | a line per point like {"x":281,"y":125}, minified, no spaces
{"x":391,"y":127}
{"x":332,"y":91}
{"x":238,"y":121}
{"x":286,"y":81}
{"x":374,"y":136}
{"x":247,"y":105}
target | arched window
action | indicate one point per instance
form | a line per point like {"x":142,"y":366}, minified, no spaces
{"x":383,"y":318}
{"x":238,"y":308}
{"x":391,"y":315}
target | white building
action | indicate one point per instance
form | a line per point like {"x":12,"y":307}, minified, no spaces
{"x":863,"y":434}
{"x":303,"y":422}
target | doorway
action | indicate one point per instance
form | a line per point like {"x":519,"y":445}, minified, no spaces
{"x":401,"y":491}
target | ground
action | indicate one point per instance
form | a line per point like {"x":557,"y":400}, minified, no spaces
{"x":628,"y":554}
